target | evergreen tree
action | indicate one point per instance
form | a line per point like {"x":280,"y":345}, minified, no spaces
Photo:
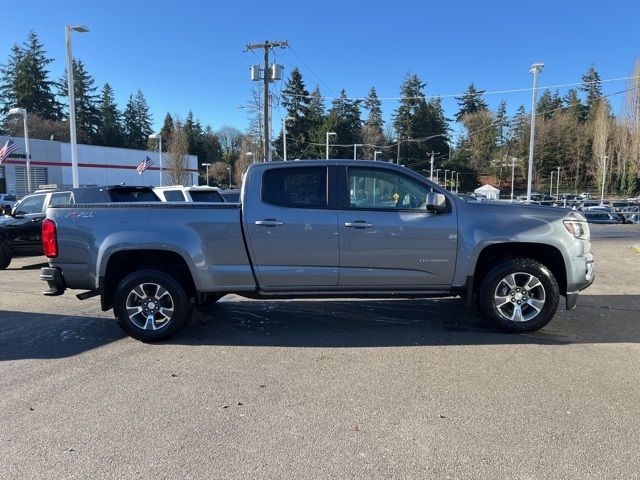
{"x":502,"y":124}
{"x":419,"y":120}
{"x":144,"y":117}
{"x":167,"y":130}
{"x":573,"y":105}
{"x":132,"y":135}
{"x":25,"y":81}
{"x":592,"y":87}
{"x":470,"y":102}
{"x":86,"y":101}
{"x":137,"y":122}
{"x":110,"y":131}
{"x":373,"y":104}
{"x":296,"y":100}
{"x":315,"y":132}
{"x":549,"y":104}
{"x":344,"y":119}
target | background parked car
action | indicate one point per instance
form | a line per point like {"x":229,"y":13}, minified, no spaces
{"x":7,"y":200}
{"x":20,"y":231}
{"x":595,"y":216}
{"x":179,"y":193}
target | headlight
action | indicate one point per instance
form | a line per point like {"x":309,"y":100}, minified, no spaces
{"x":578,"y":229}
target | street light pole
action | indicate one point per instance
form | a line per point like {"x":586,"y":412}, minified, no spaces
{"x":438,"y":176}
{"x":452,"y":172}
{"x":355,"y":150}
{"x":327,"y":149}
{"x":431,"y":174}
{"x":445,"y":179}
{"x":513,"y":176}
{"x":23,"y":112}
{"x":535,"y":69}
{"x":229,"y":170}
{"x":157,"y":136}
{"x":457,"y":181}
{"x":558,"y":184}
{"x":207,"y":165}
{"x":375,"y":154}
{"x":551,"y":184}
{"x":72,"y":103}
{"x":604,"y":177}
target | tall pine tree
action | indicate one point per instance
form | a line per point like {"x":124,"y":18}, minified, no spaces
{"x":110,"y":131}
{"x":86,"y":101}
{"x":25,"y":81}
{"x":470,"y":102}
{"x":137,"y":122}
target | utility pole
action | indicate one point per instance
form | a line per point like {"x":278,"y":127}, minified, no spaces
{"x":551,"y":184}
{"x":558,"y":185}
{"x":269,"y":75}
{"x":433,"y":154}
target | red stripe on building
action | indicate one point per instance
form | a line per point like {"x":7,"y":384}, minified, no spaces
{"x":86,"y":165}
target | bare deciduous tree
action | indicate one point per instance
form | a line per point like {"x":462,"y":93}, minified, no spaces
{"x":177,"y":157}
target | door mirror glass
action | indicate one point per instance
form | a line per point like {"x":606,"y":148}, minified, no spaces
{"x":436,"y":202}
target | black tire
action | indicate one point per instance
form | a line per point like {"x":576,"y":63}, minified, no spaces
{"x":5,"y":260}
{"x":536,"y":304}
{"x":148,"y":325}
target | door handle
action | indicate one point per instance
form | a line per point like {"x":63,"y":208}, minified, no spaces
{"x":269,"y":222}
{"x":358,"y":224}
{"x":36,"y":220}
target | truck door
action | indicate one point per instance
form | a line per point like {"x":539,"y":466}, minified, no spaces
{"x":387,"y":238}
{"x":291,"y":226}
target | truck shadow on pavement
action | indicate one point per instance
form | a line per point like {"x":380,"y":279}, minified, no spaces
{"x":326,"y":323}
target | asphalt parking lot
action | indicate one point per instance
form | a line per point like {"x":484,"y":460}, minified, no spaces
{"x":324,"y":389}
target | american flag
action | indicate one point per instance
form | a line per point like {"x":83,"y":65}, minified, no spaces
{"x":146,"y":163}
{"x":7,"y":150}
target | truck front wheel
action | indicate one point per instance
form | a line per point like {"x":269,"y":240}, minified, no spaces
{"x":519,"y":295}
{"x":151,"y":305}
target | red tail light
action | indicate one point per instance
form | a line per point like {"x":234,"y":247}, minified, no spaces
{"x":49,"y":238}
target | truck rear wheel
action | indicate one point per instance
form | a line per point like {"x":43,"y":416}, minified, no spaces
{"x":519,"y":295}
{"x":151,"y":305}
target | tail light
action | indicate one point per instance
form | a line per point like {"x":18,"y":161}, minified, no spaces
{"x":49,"y":238}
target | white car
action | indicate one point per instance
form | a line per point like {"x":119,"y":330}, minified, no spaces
{"x":179,"y":193}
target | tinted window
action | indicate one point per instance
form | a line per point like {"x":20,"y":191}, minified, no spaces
{"x":302,"y":187}
{"x":173,"y":196}
{"x":131,"y":195}
{"x":383,"y":189}
{"x":232,"y":197}
{"x":32,"y":204}
{"x":63,"y":198}
{"x":206,"y":196}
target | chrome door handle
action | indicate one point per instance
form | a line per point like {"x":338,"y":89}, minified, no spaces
{"x":358,"y":224}
{"x":269,"y":222}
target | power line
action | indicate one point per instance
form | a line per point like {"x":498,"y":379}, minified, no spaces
{"x":493,"y":92}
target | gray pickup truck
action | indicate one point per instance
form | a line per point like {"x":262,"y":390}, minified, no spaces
{"x":318,"y":228}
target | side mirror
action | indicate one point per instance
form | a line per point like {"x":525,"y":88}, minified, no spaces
{"x":5,"y":210}
{"x":436,"y":202}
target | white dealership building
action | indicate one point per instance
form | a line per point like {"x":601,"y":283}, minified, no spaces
{"x":51,"y":165}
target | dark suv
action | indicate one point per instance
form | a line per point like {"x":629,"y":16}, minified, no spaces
{"x":20,"y":227}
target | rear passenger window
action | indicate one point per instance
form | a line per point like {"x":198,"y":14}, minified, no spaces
{"x":173,"y":196}
{"x":58,"y":199}
{"x":301,"y":187}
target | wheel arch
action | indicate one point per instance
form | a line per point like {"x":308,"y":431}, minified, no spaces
{"x":548,"y":255}
{"x":124,"y":262}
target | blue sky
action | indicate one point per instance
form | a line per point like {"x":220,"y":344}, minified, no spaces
{"x":189,"y":54}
